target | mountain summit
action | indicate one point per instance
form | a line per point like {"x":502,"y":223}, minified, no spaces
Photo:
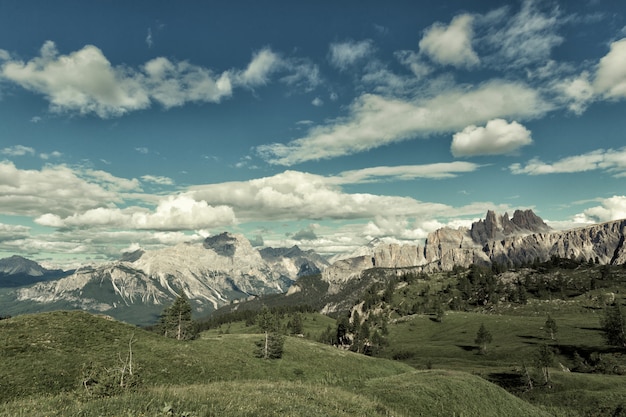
{"x":18,"y":265}
{"x":496,"y":227}
{"x":222,"y":268}
{"x":496,"y":239}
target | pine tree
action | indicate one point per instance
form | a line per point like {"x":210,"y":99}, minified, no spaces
{"x":176,"y":321}
{"x":550,"y":327}
{"x":271,"y":347}
{"x":614,"y":326}
{"x":545,"y":359}
{"x":483,"y":338}
{"x":295,"y":325}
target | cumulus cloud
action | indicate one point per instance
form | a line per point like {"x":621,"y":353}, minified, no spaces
{"x":376,"y":121}
{"x":613,"y":208}
{"x":173,"y":213}
{"x":496,"y":138}
{"x":174,"y":84}
{"x":53,"y":154}
{"x":10,"y":232}
{"x":263,"y":63}
{"x":611,"y":161}
{"x":58,"y":189}
{"x":298,"y":195}
{"x":578,"y":92}
{"x":452,"y":44}
{"x":344,"y":55}
{"x":305,"y":234}
{"x":83,"y":81}
{"x":610,"y":78}
{"x":18,"y":150}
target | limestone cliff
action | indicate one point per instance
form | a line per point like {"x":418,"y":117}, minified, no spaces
{"x":521,"y":239}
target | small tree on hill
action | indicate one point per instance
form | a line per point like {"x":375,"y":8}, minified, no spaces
{"x":614,"y":325}
{"x":545,"y":359}
{"x":176,"y":321}
{"x":271,"y":347}
{"x":550,"y":327}
{"x":483,"y":338}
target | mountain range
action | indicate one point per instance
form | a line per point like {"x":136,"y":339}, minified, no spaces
{"x":226,"y":268}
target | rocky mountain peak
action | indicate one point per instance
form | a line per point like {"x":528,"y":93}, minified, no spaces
{"x":19,"y":265}
{"x":225,"y":244}
{"x":497,"y":227}
{"x":132,"y":256}
{"x":528,"y":220}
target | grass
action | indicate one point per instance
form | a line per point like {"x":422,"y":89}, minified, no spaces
{"x":42,"y":357}
{"x":451,"y":343}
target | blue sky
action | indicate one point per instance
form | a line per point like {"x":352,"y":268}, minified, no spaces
{"x":327,"y":124}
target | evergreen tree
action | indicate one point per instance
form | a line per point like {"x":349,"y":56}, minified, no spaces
{"x":176,"y":321}
{"x":295,"y":324}
{"x":550,"y":327}
{"x":545,"y":359}
{"x":271,"y":347}
{"x":483,"y":338}
{"x":614,"y":326}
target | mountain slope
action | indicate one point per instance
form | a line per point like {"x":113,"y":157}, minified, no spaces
{"x":221,"y":376}
{"x":223,"y":268}
{"x":522,"y":239}
{"x":17,"y":271}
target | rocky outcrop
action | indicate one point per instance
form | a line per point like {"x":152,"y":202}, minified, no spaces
{"x":15,"y":265}
{"x":223,"y":268}
{"x":497,"y":227}
{"x":521,"y":239}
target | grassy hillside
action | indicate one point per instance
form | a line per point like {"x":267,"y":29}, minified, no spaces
{"x":43,"y":358}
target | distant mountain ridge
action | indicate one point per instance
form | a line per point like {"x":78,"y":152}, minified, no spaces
{"x":222,"y":268}
{"x":225,"y":267}
{"x":17,"y":271}
{"x":521,"y":239}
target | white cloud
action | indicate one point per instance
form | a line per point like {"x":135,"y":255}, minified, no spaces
{"x":452,"y":44}
{"x":613,"y":208}
{"x":496,"y":138}
{"x":344,"y":55}
{"x":53,"y":154}
{"x":149,"y":40}
{"x":263,"y":64}
{"x":10,"y":232}
{"x":612,"y":161}
{"x":610,"y":80}
{"x":174,"y":84}
{"x":414,"y":62}
{"x":58,"y":189}
{"x":82,"y":81}
{"x":404,"y":172}
{"x":578,"y":92}
{"x":18,"y":150}
{"x":173,"y":213}
{"x":376,"y":121}
{"x":86,"y":82}
{"x":525,"y":38}
{"x":302,"y":74}
{"x":155,"y":179}
{"x":294,"y":195}
{"x":317,"y":102}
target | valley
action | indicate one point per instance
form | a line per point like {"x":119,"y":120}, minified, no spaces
{"x":381,"y":333}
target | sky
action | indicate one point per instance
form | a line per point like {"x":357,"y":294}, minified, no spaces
{"x":325,"y":124}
